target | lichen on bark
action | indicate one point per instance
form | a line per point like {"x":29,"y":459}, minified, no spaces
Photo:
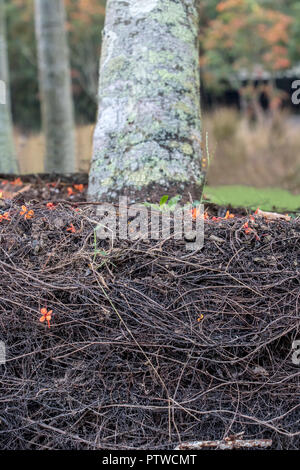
{"x":148,"y":130}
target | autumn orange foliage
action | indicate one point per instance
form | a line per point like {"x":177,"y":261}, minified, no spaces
{"x":83,"y":11}
{"x":28,"y":214}
{"x":248,"y":32}
{"x":46,"y":316}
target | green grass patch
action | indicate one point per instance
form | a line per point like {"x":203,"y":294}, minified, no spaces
{"x":268,"y":199}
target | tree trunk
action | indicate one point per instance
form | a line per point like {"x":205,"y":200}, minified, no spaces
{"x":8,"y":161}
{"x":55,"y":86}
{"x":147,"y":140}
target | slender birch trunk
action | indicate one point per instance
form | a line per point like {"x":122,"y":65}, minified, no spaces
{"x":147,"y":140}
{"x":8,"y":161}
{"x":55,"y":86}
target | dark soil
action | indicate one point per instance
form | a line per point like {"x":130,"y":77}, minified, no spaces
{"x":149,"y":344}
{"x":54,"y":188}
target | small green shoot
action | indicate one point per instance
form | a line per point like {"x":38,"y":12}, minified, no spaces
{"x":99,"y":252}
{"x":165,"y":204}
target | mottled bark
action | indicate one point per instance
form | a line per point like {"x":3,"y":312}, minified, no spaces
{"x":8,"y":161}
{"x":55,"y":86}
{"x":147,"y":139}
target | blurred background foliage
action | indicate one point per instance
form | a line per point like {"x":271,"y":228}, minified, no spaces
{"x":85,"y":20}
{"x":235,"y":35}
{"x":239,"y":39}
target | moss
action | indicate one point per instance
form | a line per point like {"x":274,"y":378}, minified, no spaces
{"x":267,"y":199}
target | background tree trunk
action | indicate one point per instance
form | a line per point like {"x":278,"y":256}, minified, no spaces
{"x":147,"y":140}
{"x":8,"y":161}
{"x":55,"y":86}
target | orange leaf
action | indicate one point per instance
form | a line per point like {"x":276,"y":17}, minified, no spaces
{"x":71,"y":229}
{"x":79,"y":187}
{"x":17,"y":182}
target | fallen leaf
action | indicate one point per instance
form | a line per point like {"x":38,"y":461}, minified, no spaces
{"x":272,"y":215}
